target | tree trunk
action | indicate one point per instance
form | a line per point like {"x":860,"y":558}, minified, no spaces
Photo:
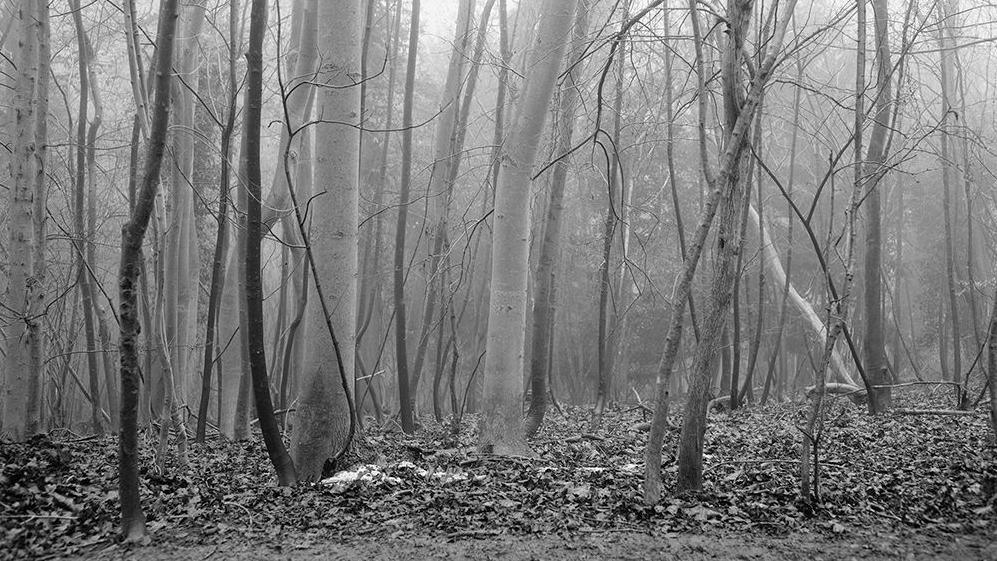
{"x":874,"y":350}
{"x":324,"y":420}
{"x":221,"y":241}
{"x":500,"y":425}
{"x":254,"y":283}
{"x":728,"y":246}
{"x":544,"y":304}
{"x":405,"y":394}
{"x":181,"y":281}
{"x":730,"y":158}
{"x":439,"y":191}
{"x":19,"y":407}
{"x":946,"y":164}
{"x":608,"y":318}
{"x":132,"y":519}
{"x":36,"y":338}
{"x":82,"y":275}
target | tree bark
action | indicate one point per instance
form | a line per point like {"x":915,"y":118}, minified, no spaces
{"x":254,"y":283}
{"x":132,"y":518}
{"x":323,"y":421}
{"x":729,"y":159}
{"x":946,"y":164}
{"x":728,"y":246}
{"x":19,"y":407}
{"x":401,"y":329}
{"x":221,"y":241}
{"x":500,"y":425}
{"x":544,"y":303}
{"x":874,"y":350}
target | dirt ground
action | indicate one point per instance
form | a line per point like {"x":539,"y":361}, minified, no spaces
{"x":599,"y":545}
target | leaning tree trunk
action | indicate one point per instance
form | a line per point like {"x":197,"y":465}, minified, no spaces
{"x":324,"y":420}
{"x":544,"y":305}
{"x":132,"y":519}
{"x":728,"y":246}
{"x":254,"y":282}
{"x":730,"y":158}
{"x":500,"y":425}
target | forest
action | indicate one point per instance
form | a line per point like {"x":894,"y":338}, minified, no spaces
{"x":529,"y":279}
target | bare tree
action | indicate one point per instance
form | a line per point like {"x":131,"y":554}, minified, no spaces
{"x":132,"y":519}
{"x":500,"y":426}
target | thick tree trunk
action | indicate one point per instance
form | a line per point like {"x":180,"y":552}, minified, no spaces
{"x":500,"y":426}
{"x":181,"y":281}
{"x":19,"y":406}
{"x":323,"y":421}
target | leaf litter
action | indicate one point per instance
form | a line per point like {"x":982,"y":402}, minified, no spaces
{"x":892,"y":472}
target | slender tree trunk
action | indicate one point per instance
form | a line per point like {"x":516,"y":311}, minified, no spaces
{"x":992,"y":369}
{"x":730,"y":158}
{"x":36,"y":338}
{"x":945,"y":70}
{"x":874,"y":346}
{"x":405,"y":394}
{"x":544,"y":304}
{"x":500,"y":425}
{"x":607,"y":318}
{"x":221,"y":241}
{"x":83,"y":276}
{"x":254,"y":283}
{"x":728,"y":246}
{"x":439,"y":191}
{"x":132,"y":518}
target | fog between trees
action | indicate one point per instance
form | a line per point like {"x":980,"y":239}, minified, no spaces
{"x":585,"y":202}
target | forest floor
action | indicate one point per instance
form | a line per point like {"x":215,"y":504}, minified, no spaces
{"x":892,"y":487}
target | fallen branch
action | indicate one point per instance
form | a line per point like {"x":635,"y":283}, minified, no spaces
{"x":856,"y":394}
{"x":944,"y":412}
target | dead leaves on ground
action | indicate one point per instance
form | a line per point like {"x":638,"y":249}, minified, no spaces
{"x":888,"y":471}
